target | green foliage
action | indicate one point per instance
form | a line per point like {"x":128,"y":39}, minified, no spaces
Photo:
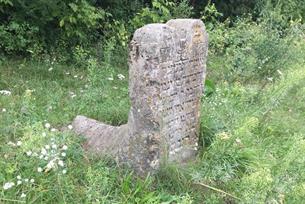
{"x":19,"y":38}
{"x":253,"y":50}
{"x":43,"y":23}
{"x":281,"y":12}
{"x":80,"y":56}
{"x":161,"y":11}
{"x":209,"y":87}
{"x":79,"y":18}
{"x":210,"y":14}
{"x":255,"y":153}
{"x":182,"y":9}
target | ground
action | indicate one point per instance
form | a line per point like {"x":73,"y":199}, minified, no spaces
{"x":252,"y":140}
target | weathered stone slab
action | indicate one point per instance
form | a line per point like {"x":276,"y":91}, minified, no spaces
{"x":101,"y":138}
{"x":167,"y":64}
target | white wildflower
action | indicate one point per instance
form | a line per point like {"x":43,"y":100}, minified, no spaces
{"x":43,"y":151}
{"x":54,"y":146}
{"x":65,"y":147}
{"x":64,"y":171}
{"x":47,"y":125}
{"x":110,"y":78}
{"x":70,"y":127}
{"x":46,"y":158}
{"x":63,"y":154}
{"x":29,"y":92}
{"x":19,"y":182}
{"x":29,"y":153}
{"x":44,"y":134}
{"x":39,"y":169}
{"x":61,"y":163}
{"x":11,"y":144}
{"x":75,"y":76}
{"x":32,"y":180}
{"x":50,"y":165}
{"x":5,"y":92}
{"x":53,"y":130}
{"x":3,"y":110}
{"x":23,"y":195}
{"x":19,"y":143}
{"x":121,"y":76}
{"x":26,"y":180}
{"x":47,"y":146}
{"x":19,"y":177}
{"x":269,"y":78}
{"x":8,"y":185}
{"x":72,"y":94}
{"x":50,"y":69}
{"x":279,"y":72}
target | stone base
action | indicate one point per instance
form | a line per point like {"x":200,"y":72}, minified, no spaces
{"x":101,"y":138}
{"x":112,"y":141}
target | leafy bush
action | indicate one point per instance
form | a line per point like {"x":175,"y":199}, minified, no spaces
{"x":252,"y":50}
{"x":281,"y":12}
{"x":161,"y":11}
{"x":19,"y":38}
{"x":43,"y":23}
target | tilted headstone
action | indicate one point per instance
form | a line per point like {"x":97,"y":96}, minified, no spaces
{"x":167,"y":64}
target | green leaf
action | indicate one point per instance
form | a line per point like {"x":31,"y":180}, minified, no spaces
{"x":61,"y":23}
{"x":73,"y":7}
{"x":209,"y":87}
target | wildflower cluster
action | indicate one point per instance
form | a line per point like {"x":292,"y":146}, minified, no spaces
{"x":120,"y":77}
{"x":44,"y":152}
{"x":217,"y":100}
{"x":51,"y":157}
{"x":19,"y":181}
{"x":5,"y":92}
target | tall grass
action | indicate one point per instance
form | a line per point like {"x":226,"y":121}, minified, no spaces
{"x":252,"y":127}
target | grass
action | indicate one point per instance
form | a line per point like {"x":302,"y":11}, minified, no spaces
{"x":253,"y":148}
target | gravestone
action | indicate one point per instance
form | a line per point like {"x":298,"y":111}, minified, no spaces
{"x":167,"y":64}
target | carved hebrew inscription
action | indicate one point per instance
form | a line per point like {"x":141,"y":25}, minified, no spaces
{"x":181,"y":89}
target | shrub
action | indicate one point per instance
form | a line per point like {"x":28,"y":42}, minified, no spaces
{"x":252,"y":51}
{"x":19,"y":38}
{"x":161,"y":11}
{"x":43,"y":23}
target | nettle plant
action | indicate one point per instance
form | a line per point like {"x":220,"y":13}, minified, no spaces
{"x":33,"y":162}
